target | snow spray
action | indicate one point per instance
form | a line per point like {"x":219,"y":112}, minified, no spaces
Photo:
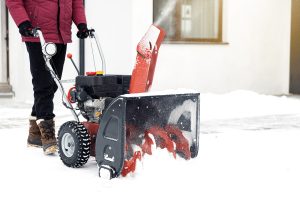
{"x":167,"y":9}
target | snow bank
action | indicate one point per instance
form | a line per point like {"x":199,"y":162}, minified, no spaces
{"x":239,"y":104}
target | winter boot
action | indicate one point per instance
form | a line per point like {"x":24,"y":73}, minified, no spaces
{"x":34,"y":137}
{"x":47,"y":128}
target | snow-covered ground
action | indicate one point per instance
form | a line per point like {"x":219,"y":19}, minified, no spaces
{"x":249,"y":149}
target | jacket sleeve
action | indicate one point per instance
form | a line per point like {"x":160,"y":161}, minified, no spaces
{"x":78,"y":12}
{"x":17,"y":11}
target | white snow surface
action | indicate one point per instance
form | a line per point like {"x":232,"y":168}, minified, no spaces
{"x":249,"y":149}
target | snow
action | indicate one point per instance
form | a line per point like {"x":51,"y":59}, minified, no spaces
{"x":249,"y":149}
{"x":191,"y":106}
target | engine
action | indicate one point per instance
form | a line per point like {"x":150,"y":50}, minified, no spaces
{"x":93,"y":94}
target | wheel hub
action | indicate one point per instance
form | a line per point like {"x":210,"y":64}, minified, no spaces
{"x":68,"y":145}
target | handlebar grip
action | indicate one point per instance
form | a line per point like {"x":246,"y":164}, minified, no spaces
{"x":35,"y":31}
{"x":91,"y":32}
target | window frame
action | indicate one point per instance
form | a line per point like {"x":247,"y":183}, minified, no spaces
{"x":177,"y":39}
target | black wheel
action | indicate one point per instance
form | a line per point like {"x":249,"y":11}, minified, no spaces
{"x":73,"y":144}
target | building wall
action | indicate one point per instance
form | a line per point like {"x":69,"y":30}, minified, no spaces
{"x":3,"y":72}
{"x":255,"y":56}
{"x":19,"y":65}
{"x":112,"y":22}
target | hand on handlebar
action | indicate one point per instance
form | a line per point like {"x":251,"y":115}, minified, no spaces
{"x":25,"y":29}
{"x":83,"y":31}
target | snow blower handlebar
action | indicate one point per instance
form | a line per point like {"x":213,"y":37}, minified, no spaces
{"x":92,"y":34}
{"x":49,"y":50}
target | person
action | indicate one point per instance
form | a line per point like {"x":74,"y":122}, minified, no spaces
{"x":54,"y":18}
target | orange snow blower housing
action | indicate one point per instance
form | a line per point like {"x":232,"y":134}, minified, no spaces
{"x":147,"y":52}
{"x":124,"y":120}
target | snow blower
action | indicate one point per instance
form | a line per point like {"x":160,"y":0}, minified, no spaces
{"x":122,"y":120}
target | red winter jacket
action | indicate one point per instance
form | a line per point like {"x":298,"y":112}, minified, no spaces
{"x":54,"y":17}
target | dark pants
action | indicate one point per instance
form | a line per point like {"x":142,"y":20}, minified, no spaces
{"x":44,"y":86}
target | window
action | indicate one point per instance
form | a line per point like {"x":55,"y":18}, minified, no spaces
{"x":189,"y":20}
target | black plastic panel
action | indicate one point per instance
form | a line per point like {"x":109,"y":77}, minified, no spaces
{"x":103,"y":86}
{"x":110,"y":138}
